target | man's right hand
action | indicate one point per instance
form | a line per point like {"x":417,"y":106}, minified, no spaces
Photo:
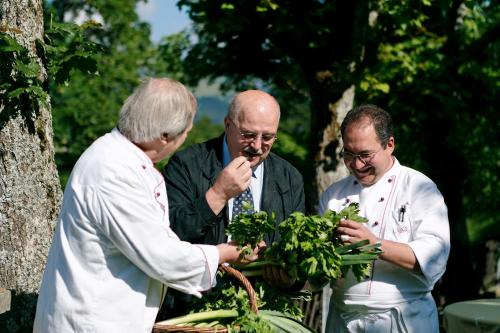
{"x":231,"y":253}
{"x":232,"y":180}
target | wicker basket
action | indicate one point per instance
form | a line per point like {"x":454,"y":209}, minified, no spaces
{"x":160,"y":328}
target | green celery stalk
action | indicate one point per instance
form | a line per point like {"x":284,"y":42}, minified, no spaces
{"x":200,"y":316}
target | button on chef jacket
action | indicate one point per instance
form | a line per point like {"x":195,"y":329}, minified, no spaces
{"x":113,"y":252}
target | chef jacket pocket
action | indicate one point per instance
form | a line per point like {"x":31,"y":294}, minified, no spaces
{"x":401,"y":216}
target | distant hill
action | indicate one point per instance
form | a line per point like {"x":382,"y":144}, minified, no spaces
{"x":212,"y":107}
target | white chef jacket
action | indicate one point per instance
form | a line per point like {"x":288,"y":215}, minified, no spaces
{"x":113,"y":250}
{"x":403,"y":206}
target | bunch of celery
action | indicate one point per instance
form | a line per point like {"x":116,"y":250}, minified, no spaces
{"x":309,"y":249}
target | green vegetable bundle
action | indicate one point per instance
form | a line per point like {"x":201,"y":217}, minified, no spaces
{"x":309,"y":248}
{"x":234,"y":309}
{"x":248,"y":229}
{"x":265,"y":321}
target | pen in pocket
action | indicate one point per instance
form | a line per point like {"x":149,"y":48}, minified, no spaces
{"x":402,"y":211}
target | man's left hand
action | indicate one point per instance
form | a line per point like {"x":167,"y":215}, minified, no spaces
{"x":353,"y":232}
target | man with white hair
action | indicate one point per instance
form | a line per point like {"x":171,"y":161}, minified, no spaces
{"x":113,"y":251}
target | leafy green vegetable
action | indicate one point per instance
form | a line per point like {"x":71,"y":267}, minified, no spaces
{"x":265,"y":321}
{"x":309,"y":248}
{"x":227,"y":305}
{"x":248,"y":229}
{"x":229,"y":294}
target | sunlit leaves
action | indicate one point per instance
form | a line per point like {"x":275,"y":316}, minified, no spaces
{"x":310,"y":249}
{"x":21,"y":76}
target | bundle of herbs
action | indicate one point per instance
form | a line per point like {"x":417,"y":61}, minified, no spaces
{"x":229,"y":294}
{"x":309,"y":249}
{"x":248,"y":229}
{"x":228,"y":308}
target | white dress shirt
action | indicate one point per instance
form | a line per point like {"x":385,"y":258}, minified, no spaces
{"x":403,"y":206}
{"x":113,"y":251}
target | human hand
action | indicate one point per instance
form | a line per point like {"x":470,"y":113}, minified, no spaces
{"x":233,"y":179}
{"x":247,"y":256}
{"x":353,"y":232}
{"x":232,"y":252}
{"x":277,"y":277}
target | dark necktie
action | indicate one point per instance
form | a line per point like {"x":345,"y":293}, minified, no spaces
{"x":245,"y":196}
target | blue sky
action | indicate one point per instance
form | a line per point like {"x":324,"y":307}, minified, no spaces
{"x":164,"y":16}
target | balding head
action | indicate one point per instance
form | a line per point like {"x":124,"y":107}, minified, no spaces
{"x":253,"y":100}
{"x":252,"y":114}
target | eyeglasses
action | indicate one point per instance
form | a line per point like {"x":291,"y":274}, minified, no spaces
{"x":365,"y":158}
{"x":252,"y":136}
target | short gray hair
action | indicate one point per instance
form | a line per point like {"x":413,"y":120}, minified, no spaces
{"x":158,"y":106}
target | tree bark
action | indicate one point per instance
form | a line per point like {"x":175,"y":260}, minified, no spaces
{"x":30,"y":192}
{"x":330,"y":168}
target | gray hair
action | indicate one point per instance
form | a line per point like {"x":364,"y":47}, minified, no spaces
{"x":234,"y":108}
{"x":158,"y":106}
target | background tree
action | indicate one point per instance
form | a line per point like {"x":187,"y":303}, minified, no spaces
{"x":29,"y":186}
{"x":416,"y":59}
{"x":443,"y":79}
{"x":88,"y":106}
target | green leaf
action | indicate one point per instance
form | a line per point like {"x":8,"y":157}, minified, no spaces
{"x":9,"y":44}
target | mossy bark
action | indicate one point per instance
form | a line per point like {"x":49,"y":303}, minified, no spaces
{"x":30,"y":192}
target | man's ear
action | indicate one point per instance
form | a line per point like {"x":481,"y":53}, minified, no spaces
{"x":165,"y":137}
{"x":391,"y":144}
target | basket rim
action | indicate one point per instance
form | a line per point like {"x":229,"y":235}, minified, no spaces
{"x":187,"y":329}
{"x":225,"y":268}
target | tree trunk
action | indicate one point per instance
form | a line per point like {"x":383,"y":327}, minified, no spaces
{"x":329,"y":106}
{"x":329,"y":168}
{"x":29,"y":188}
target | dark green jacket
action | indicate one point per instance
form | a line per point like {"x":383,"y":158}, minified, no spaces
{"x":190,"y":173}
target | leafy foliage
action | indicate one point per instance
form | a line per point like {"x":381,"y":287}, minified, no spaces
{"x":21,"y":76}
{"x":61,"y":57}
{"x":229,"y":295}
{"x":432,"y":64}
{"x":248,"y":229}
{"x":309,"y":248}
{"x":88,"y":107}
{"x":68,"y":48}
{"x":441,"y":64}
{"x":283,"y":301}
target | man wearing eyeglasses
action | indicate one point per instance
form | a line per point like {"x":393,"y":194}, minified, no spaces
{"x":204,"y":180}
{"x":406,"y":215}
